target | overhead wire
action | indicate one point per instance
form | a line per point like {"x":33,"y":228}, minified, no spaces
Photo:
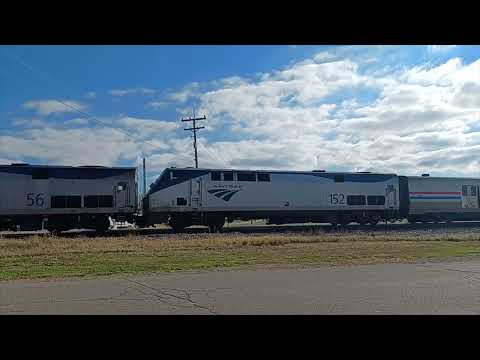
{"x":85,"y":114}
{"x":89,"y":116}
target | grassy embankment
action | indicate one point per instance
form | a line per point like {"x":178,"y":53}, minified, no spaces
{"x":52,"y":257}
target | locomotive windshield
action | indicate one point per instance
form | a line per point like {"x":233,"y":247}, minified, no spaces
{"x":164,"y":177}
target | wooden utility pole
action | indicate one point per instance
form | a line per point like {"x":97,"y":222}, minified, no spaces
{"x":194,"y":129}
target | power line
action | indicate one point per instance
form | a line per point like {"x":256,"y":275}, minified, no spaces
{"x":89,"y":116}
{"x":217,"y":157}
{"x":84,"y":113}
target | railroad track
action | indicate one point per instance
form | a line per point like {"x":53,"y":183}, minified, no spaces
{"x":255,"y":229}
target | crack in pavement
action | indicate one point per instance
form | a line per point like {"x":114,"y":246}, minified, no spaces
{"x":431,"y":267}
{"x":469,"y":274}
{"x":161,"y":293}
{"x":53,"y":301}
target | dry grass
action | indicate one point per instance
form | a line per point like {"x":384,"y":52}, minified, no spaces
{"x":40,"y":257}
{"x":52,"y":245}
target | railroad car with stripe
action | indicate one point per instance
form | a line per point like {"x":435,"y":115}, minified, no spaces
{"x":187,"y":196}
{"x":436,"y":199}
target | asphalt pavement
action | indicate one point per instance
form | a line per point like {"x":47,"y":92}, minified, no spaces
{"x":426,"y":288}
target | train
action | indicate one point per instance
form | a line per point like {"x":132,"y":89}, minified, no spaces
{"x":183,"y":197}
{"x":59,"y":198}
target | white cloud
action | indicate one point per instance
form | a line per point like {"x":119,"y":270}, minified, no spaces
{"x":123,"y":92}
{"x":310,"y":115}
{"x":146,"y":128}
{"x":70,"y":147}
{"x":324,"y":56}
{"x":424,"y":115}
{"x":440,"y":75}
{"x":186,"y":93}
{"x":91,"y":95}
{"x":157,"y":105}
{"x":468,"y":96}
{"x":80,"y":145}
{"x":440,"y":48}
{"x":48,"y":107}
{"x":29,"y":123}
{"x":77,"y":122}
{"x":9,"y":161}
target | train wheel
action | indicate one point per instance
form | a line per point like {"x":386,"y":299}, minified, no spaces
{"x":215,"y":228}
{"x":178,"y":223}
{"x":102,"y":224}
{"x":178,"y":228}
{"x":373,"y":222}
{"x":56,"y":230}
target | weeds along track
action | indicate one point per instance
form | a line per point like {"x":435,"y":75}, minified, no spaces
{"x":194,"y":232}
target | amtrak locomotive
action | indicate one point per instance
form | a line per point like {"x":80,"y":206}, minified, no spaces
{"x":59,"y":198}
{"x":209,"y":196}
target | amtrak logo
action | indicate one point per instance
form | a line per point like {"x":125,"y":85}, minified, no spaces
{"x":224,"y":194}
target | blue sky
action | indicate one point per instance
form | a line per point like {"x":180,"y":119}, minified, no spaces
{"x":295,"y":107}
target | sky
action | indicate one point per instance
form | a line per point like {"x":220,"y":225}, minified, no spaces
{"x":407,"y":110}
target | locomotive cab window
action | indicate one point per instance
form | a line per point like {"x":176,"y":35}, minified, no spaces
{"x":356,"y":200}
{"x":246,"y":176}
{"x":473,"y":190}
{"x":339,"y":178}
{"x":228,"y":176}
{"x":464,"y":190}
{"x":215,"y":175}
{"x":263,"y":177}
{"x":164,"y":177}
{"x":180,"y":174}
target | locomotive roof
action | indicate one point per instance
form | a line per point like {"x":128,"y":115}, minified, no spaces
{"x":442,"y":177}
{"x":65,"y":172}
{"x":283,"y":171}
{"x":66,"y":166}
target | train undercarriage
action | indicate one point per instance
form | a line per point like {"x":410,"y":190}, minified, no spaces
{"x":216,"y":220}
{"x":61,"y":222}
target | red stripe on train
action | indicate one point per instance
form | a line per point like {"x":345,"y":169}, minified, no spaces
{"x":437,"y":192}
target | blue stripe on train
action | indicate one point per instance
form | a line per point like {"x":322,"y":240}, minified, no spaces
{"x":436,"y":197}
